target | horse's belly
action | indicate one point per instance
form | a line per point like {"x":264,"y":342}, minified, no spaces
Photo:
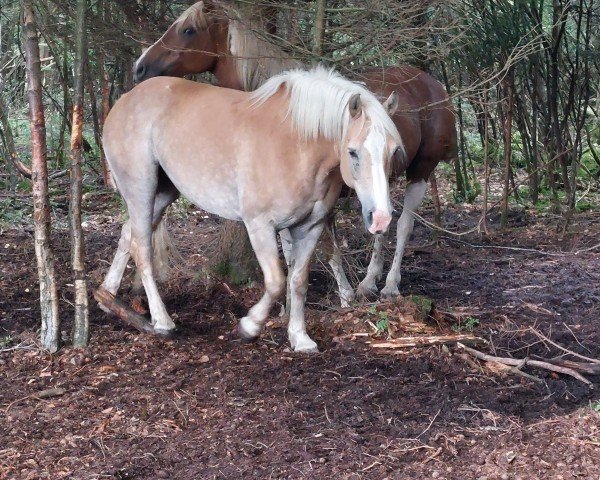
{"x":213,"y":197}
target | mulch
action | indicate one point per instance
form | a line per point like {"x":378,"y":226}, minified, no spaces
{"x":204,"y":405}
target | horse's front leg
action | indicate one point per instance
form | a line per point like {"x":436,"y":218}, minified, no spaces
{"x":345,"y":291}
{"x":304,"y":243}
{"x":368,"y":287}
{"x":415,"y":192}
{"x":264,"y":243}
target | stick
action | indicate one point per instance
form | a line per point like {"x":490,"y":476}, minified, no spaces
{"x":117,"y":307}
{"x":403,"y":342}
{"x":560,"y":347}
{"x":515,"y":362}
{"x":591,"y":368}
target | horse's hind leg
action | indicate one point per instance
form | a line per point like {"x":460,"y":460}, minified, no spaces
{"x":304,"y":242}
{"x":264,"y":244}
{"x":113,"y":278}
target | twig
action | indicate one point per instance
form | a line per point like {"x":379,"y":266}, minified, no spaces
{"x":404,"y":342}
{"x":501,"y":247}
{"x":435,"y":454}
{"x":566,"y":350}
{"x":514,"y":362}
{"x":428,"y":426}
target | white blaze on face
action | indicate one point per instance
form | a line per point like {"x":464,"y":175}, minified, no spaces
{"x":375,"y":144}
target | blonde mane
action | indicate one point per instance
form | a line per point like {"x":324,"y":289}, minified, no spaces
{"x":195,"y":15}
{"x":256,"y":59}
{"x":318,"y":103}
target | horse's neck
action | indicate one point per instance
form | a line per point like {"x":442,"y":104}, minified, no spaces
{"x":252,"y":59}
{"x":226,"y":73}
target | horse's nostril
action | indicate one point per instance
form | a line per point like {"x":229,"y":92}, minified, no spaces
{"x":370,"y":217}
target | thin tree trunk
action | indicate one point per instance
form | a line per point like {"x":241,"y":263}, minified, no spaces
{"x":50,"y":334}
{"x":319,"y":31}
{"x":81,"y":322}
{"x":535,"y":177}
{"x":507,"y":147}
{"x":105,"y":94}
{"x":460,"y":165}
{"x":12,"y":156}
{"x":486,"y":160}
{"x":437,"y":207}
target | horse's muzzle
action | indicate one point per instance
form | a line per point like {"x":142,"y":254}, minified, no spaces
{"x":378,"y":221}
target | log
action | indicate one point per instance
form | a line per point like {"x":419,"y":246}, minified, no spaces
{"x":135,"y":320}
{"x":404,"y":342}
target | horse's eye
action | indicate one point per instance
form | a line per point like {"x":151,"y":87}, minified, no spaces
{"x":353,"y":153}
{"x":188,"y":32}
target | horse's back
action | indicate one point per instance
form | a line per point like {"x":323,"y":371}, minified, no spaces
{"x":425,"y":119}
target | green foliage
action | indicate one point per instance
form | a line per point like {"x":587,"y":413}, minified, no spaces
{"x":231,"y":272}
{"x":383,"y":323}
{"x":425,"y":304}
{"x":6,"y":342}
{"x":13,"y":212}
{"x":596,"y":406}
{"x":467,"y":325}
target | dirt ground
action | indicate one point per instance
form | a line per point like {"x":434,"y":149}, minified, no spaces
{"x":204,"y":405}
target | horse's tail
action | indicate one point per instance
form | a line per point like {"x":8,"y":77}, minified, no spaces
{"x":166,"y":255}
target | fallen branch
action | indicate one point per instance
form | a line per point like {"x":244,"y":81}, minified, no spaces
{"x":404,"y":342}
{"x":135,"y":320}
{"x":560,"y":347}
{"x":591,"y":368}
{"x":520,"y":363}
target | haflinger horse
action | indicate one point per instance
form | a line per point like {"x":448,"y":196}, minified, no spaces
{"x":211,"y":36}
{"x":274,"y":159}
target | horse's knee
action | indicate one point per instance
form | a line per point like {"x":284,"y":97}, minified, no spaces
{"x":299,"y":283}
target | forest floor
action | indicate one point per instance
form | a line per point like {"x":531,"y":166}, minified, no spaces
{"x":204,"y":405}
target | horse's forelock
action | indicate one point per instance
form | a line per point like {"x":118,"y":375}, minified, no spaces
{"x":195,"y":17}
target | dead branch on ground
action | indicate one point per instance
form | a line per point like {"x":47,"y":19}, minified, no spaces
{"x":521,"y":363}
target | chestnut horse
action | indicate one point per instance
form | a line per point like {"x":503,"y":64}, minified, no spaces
{"x":274,"y":159}
{"x":211,"y":36}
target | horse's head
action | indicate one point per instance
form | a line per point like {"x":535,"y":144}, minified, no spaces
{"x":366,"y":159}
{"x":190,"y":45}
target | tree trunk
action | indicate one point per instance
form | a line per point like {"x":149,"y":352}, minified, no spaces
{"x":81,"y":322}
{"x":486,"y":160}
{"x":437,"y":207}
{"x":105,"y":94}
{"x":234,"y":257}
{"x":50,"y":334}
{"x":319,"y":31}
{"x":12,"y":156}
{"x":507,"y":147}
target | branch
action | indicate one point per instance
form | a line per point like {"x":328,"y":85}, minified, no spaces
{"x":515,"y":362}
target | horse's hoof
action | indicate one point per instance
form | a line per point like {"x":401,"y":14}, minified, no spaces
{"x":390,"y":293}
{"x":167,"y":333}
{"x":104,"y":309}
{"x":248,"y":329}
{"x":304,"y":345}
{"x":314,"y":349}
{"x":346,"y":301}
{"x":367,"y":292}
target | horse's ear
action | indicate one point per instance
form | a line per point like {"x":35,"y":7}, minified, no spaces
{"x":354,"y":105}
{"x":391,"y":104}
